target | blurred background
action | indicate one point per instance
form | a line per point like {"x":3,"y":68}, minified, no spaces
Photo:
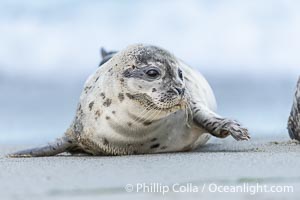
{"x":248,"y":51}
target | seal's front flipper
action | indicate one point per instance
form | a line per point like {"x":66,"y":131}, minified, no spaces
{"x":218,"y":126}
{"x":294,"y":119}
{"x":59,"y":146}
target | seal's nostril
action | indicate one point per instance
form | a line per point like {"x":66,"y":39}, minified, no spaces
{"x":179,"y":90}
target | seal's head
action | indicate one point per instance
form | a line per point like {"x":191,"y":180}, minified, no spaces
{"x":151,"y":77}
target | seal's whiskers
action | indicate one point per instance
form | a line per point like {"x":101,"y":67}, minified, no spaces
{"x":144,"y":114}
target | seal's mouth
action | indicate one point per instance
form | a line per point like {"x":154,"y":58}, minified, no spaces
{"x":146,"y":101}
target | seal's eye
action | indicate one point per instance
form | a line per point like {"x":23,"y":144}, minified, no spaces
{"x":180,"y":74}
{"x":152,"y":73}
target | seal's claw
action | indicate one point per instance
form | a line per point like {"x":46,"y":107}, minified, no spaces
{"x":236,"y":130}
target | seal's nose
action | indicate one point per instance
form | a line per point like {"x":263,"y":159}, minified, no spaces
{"x":180,"y":91}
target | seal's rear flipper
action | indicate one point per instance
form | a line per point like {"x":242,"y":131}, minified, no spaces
{"x":59,"y":146}
{"x":294,"y":119}
{"x":106,"y":55}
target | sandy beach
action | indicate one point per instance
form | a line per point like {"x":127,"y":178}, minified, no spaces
{"x":264,"y":160}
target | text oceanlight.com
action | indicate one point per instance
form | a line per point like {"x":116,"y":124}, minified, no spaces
{"x":211,"y":187}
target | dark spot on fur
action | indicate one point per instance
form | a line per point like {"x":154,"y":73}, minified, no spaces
{"x":80,"y":111}
{"x":107,"y":117}
{"x":97,"y":114}
{"x":154,"y":146}
{"x":129,"y":123}
{"x":214,"y":123}
{"x":107,"y":102}
{"x":130,"y":96}
{"x":140,"y":87}
{"x":86,"y":89}
{"x":102,"y":95}
{"x":110,"y":70}
{"x":91,"y":105}
{"x":113,"y":112}
{"x":154,"y":90}
{"x":121,"y":96}
{"x":163,"y":147}
{"x":105,"y":141}
{"x":147,"y":123}
{"x":133,"y":67}
{"x":122,"y":80}
{"x":96,"y":79}
{"x":154,"y":139}
{"x":214,"y":129}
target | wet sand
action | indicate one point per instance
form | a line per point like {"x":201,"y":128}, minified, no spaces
{"x":264,"y":160}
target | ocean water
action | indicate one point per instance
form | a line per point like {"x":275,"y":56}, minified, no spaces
{"x":36,"y":110}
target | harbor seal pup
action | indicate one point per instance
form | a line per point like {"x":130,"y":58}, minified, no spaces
{"x":294,"y":119}
{"x":142,"y":100}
